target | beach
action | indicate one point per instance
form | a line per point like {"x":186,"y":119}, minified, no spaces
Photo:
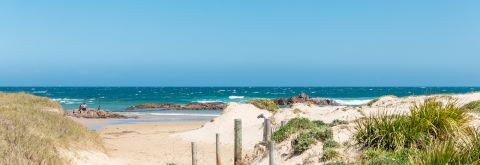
{"x":164,"y":142}
{"x":153,"y":143}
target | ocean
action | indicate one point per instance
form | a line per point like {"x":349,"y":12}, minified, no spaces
{"x":119,"y":98}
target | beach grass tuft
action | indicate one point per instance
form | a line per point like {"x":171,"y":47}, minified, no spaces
{"x":265,"y":104}
{"x":427,"y":121}
{"x":30,"y":134}
{"x":473,"y":106}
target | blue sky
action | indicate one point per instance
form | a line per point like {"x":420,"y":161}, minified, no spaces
{"x":240,"y":43}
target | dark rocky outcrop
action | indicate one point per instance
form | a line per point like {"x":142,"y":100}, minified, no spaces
{"x":94,"y":113}
{"x":281,"y":101}
{"x":302,"y":98}
{"x":172,"y":106}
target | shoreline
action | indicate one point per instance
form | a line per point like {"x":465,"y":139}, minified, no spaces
{"x":97,"y":124}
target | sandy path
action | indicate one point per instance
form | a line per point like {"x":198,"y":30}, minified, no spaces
{"x":152,"y":143}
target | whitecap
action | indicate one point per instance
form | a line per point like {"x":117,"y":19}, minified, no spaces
{"x":353,"y":102}
{"x":236,"y":97}
{"x":39,"y":92}
{"x":208,"y":101}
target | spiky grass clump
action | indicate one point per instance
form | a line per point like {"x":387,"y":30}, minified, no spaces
{"x":428,"y":121}
{"x":463,"y":149}
{"x":265,"y":104}
{"x":473,"y":106}
{"x":31,"y":135}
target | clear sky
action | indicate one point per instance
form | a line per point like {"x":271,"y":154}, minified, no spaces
{"x":240,"y":43}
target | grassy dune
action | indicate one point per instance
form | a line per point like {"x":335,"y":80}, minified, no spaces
{"x":30,"y":133}
{"x":433,"y":133}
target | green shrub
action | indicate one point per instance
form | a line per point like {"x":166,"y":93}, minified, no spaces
{"x":264,"y":104}
{"x":371,"y":102}
{"x":321,"y":133}
{"x":329,"y":154}
{"x":338,"y":122}
{"x":336,"y":163}
{"x":309,"y":132}
{"x":303,"y":142}
{"x":293,"y":126}
{"x":382,"y":157}
{"x":330,"y":143}
{"x":473,"y":106}
{"x":428,"y":121}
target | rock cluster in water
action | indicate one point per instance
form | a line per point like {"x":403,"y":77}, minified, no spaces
{"x":94,"y":113}
{"x":172,"y":106}
{"x":302,"y":98}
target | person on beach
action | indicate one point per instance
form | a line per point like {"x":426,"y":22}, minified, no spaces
{"x":83,"y":107}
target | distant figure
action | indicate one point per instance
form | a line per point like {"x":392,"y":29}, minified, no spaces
{"x":98,"y":107}
{"x":83,"y":107}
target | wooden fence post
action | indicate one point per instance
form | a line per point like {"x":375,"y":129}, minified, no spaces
{"x":283,"y":123}
{"x":238,"y":141}
{"x":217,"y":145}
{"x":271,"y":152}
{"x":267,"y":130}
{"x":194,"y":154}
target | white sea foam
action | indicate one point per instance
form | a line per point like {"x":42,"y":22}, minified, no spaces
{"x":208,"y":101}
{"x":353,"y":102}
{"x":166,"y":114}
{"x":236,"y":97}
{"x":39,"y":92}
{"x":68,"y":100}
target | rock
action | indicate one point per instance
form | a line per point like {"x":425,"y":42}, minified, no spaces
{"x":172,"y":106}
{"x":281,"y":101}
{"x":94,"y":113}
{"x":301,"y":98}
{"x":167,"y":106}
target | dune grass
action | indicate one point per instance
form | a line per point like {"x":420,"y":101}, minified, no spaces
{"x":428,"y":121}
{"x":463,"y":149}
{"x":31,"y":135}
{"x":473,"y":106}
{"x":264,"y":104}
{"x":433,"y":133}
{"x":371,"y":102}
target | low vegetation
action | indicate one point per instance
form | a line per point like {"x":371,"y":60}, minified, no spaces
{"x":371,"y":102}
{"x":381,"y":157}
{"x":429,"y":121}
{"x":473,"y":106}
{"x":264,"y":104}
{"x":308,"y":133}
{"x":338,"y":122}
{"x":463,"y":149}
{"x":31,"y":135}
{"x":433,"y":133}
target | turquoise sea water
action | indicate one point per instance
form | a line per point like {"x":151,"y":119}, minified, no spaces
{"x":119,"y":98}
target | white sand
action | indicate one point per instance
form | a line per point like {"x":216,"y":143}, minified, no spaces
{"x":161,"y":143}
